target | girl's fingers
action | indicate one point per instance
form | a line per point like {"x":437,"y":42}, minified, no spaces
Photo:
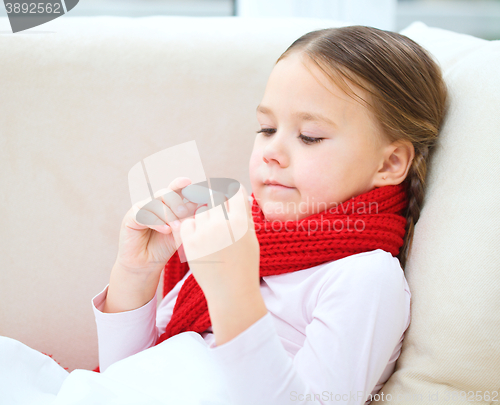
{"x":146,"y":218}
{"x":165,"y":229}
{"x":176,"y":232}
{"x":191,"y":206}
{"x":200,"y":209}
{"x":160,"y":214}
{"x":160,"y":210}
{"x":173,"y":198}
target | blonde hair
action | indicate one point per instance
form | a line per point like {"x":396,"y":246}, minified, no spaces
{"x":405,"y":85}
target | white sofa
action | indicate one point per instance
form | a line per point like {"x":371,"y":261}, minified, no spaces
{"x":83,"y":99}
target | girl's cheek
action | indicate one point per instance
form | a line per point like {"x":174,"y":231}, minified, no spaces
{"x":254,"y":164}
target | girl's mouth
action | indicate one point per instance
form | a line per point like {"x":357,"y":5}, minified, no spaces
{"x":278,"y":187}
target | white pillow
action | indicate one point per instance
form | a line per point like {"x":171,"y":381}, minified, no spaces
{"x":453,"y":342}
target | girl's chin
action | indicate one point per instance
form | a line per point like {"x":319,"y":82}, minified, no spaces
{"x":280,"y":216}
{"x":275,"y":210}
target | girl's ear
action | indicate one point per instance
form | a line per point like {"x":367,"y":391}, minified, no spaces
{"x":397,"y":159}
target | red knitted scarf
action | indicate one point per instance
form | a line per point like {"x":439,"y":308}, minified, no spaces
{"x":370,"y":221}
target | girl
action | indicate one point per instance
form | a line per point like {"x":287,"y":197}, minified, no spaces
{"x":292,"y":315}
{"x":311,"y":304}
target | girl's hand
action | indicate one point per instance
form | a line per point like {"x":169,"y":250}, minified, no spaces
{"x":149,"y":245}
{"x":229,"y":268}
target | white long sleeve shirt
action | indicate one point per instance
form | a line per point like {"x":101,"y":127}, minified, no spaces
{"x":332,"y":333}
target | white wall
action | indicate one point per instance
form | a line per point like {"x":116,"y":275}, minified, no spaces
{"x":376,"y":13}
{"x":480,"y":18}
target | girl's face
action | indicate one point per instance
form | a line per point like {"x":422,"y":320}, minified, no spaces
{"x":321,"y":144}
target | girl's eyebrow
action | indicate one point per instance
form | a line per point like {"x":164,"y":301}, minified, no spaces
{"x":306,"y":116}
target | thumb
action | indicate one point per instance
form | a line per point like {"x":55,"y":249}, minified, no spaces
{"x":176,"y":232}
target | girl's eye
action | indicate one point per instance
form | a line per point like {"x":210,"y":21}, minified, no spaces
{"x":266,"y":131}
{"x":306,"y":139}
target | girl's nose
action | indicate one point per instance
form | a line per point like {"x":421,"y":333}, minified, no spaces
{"x":275,"y":151}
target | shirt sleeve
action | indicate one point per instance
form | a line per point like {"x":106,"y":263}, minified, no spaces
{"x":358,"y":320}
{"x":123,"y":334}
